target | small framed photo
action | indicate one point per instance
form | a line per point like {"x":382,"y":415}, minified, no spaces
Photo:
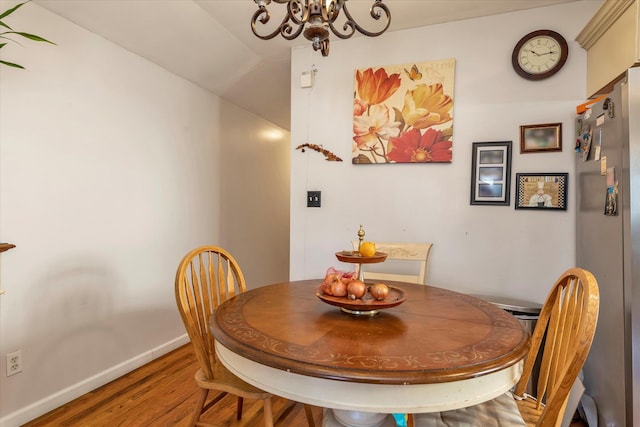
{"x":544,"y":191}
{"x":491,"y":173}
{"x":541,"y":138}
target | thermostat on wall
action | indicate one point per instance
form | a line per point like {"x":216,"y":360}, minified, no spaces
{"x":306,"y":79}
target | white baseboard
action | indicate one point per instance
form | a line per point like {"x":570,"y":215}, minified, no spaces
{"x":66,"y":395}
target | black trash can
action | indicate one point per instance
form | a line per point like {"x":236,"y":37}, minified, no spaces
{"x":527,"y":313}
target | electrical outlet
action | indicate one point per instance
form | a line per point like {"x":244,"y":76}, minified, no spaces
{"x":14,"y":363}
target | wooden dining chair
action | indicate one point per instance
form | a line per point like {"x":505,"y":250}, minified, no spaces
{"x":206,"y":277}
{"x":563,"y":334}
{"x":402,"y":253}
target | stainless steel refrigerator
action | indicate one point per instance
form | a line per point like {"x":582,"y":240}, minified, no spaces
{"x":608,"y":245}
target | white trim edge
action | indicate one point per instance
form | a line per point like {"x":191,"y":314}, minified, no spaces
{"x":66,"y":395}
{"x":606,"y":16}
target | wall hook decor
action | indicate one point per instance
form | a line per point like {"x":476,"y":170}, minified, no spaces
{"x":328,"y":155}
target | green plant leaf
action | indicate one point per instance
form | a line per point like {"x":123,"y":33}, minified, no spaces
{"x":10,"y":39}
{"x":13,"y":9}
{"x":2,"y":24}
{"x":29,"y":36}
{"x":11,"y":64}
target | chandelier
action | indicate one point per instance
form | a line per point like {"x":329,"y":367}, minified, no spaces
{"x":314,"y":18}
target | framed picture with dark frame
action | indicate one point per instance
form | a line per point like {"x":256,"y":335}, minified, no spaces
{"x":541,"y":138}
{"x":542,"y":191}
{"x":491,"y":173}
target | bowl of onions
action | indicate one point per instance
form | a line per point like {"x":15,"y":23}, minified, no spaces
{"x":357,"y":297}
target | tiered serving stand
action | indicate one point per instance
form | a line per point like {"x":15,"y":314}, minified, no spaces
{"x":354,"y":257}
{"x":366,"y":305}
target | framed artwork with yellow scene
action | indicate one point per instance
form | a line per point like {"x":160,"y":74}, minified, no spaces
{"x":404,"y":113}
{"x":542,"y":191}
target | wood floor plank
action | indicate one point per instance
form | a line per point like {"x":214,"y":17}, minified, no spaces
{"x":161,"y":393}
{"x":96,"y":401}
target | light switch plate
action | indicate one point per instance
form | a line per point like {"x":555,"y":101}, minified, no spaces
{"x":314,"y":199}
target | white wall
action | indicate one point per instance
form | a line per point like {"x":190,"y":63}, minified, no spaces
{"x":110,"y":171}
{"x":477,"y":249}
{"x":255,"y":195}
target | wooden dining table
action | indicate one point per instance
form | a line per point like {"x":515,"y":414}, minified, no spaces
{"x":436,"y":350}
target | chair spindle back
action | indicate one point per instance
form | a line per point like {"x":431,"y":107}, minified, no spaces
{"x":564,"y":333}
{"x":206,"y":277}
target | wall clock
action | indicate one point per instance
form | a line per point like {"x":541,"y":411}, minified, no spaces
{"x":539,"y":55}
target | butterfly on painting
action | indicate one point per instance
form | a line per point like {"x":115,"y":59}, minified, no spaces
{"x":414,"y":74}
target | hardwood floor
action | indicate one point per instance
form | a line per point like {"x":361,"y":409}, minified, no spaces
{"x":161,"y":393}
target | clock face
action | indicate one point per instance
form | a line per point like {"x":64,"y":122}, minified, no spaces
{"x":539,"y":55}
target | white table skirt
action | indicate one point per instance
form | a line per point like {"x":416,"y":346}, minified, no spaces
{"x":364,"y":397}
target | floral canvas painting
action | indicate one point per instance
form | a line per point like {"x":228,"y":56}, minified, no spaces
{"x":404,"y":113}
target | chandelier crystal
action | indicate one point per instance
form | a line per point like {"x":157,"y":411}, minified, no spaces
{"x":314,"y":18}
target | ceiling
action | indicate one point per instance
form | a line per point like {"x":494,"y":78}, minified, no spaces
{"x":210,"y":43}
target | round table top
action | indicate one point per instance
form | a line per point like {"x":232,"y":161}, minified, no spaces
{"x":435,"y":336}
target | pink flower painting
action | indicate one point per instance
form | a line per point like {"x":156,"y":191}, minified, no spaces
{"x":404,"y":113}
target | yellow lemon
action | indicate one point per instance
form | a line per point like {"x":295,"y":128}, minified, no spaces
{"x":367,"y":249}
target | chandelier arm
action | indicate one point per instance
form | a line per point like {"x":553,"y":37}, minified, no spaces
{"x":312,"y":17}
{"x":295,"y":8}
{"x":378,"y":9}
{"x":324,"y":48}
{"x":285,"y":28}
{"x":331,"y":10}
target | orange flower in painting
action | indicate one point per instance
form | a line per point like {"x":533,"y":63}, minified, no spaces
{"x":414,"y":147}
{"x":374,"y":88}
{"x":368,"y":129}
{"x":426,"y":105}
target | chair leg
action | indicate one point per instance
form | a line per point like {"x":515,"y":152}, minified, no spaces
{"x":199,"y":406}
{"x":309,"y":414}
{"x":239,"y":404}
{"x":268,"y":412}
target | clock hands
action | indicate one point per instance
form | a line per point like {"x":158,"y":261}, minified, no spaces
{"x":540,"y":54}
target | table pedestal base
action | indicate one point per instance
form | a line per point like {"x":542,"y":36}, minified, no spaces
{"x":342,"y":418}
